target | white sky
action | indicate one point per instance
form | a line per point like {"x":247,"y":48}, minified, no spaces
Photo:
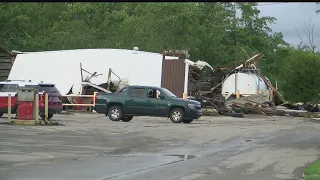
{"x":290,"y":18}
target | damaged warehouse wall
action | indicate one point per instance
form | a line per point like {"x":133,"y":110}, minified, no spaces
{"x":141,"y":68}
{"x":165,"y":70}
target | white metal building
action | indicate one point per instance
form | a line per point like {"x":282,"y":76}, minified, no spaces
{"x":63,"y":67}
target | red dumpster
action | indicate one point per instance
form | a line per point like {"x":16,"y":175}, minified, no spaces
{"x":25,"y":103}
{"x":25,"y":110}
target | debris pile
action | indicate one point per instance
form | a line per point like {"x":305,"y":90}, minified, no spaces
{"x":194,"y":77}
{"x":253,"y":108}
{"x":240,"y":89}
{"x":206,"y":86}
{"x":89,"y":88}
{"x":252,"y":104}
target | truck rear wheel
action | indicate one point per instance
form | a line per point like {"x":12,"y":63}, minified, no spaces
{"x":177,"y":115}
{"x":127,"y":118}
{"x":115,"y":113}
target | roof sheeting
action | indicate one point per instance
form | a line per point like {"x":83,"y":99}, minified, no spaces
{"x":63,"y":67}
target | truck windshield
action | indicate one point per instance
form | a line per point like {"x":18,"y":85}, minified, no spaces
{"x":168,"y":93}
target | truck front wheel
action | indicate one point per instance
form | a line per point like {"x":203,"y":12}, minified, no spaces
{"x":177,"y":115}
{"x":115,"y":113}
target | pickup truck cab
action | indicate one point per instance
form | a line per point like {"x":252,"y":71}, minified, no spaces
{"x":146,"y":101}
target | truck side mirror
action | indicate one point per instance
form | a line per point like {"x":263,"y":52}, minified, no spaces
{"x":161,"y":96}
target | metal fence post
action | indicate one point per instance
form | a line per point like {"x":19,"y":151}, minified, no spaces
{"x":238,"y":94}
{"x":94,"y":98}
{"x":36,"y":112}
{"x":46,"y":110}
{"x":9,"y":108}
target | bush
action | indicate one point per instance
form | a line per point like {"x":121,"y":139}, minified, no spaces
{"x":301,"y":77}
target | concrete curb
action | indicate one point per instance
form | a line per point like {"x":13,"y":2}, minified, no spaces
{"x":24,"y":122}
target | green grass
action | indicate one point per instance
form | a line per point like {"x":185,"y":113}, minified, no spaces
{"x":313,"y":171}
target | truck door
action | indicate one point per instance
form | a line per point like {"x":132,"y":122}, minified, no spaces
{"x":136,"y":103}
{"x":156,"y":105}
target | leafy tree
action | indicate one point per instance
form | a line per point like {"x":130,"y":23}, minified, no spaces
{"x":219,"y":33}
{"x":301,"y":78}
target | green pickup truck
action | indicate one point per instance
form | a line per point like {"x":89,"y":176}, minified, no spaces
{"x":146,"y":101}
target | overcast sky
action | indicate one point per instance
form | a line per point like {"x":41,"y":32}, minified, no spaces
{"x":290,"y":18}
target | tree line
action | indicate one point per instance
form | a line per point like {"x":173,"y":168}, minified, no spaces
{"x":220,"y":33}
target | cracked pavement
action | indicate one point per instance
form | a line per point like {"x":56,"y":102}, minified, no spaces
{"x":91,"y":147}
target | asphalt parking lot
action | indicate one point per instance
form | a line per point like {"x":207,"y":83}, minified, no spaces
{"x":89,"y":146}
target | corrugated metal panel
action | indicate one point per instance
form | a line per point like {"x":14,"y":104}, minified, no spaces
{"x":172,"y":77}
{"x":5,"y":66}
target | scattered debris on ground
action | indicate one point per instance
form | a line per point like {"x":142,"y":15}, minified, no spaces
{"x":209,"y":112}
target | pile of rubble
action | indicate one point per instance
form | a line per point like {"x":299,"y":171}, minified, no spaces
{"x":194,"y":77}
{"x":205,"y":86}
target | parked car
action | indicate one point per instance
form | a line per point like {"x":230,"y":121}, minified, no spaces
{"x":11,"y":86}
{"x":146,"y":101}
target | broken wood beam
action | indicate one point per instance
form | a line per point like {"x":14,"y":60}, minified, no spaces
{"x":109,"y":79}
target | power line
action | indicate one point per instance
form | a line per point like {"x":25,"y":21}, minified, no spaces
{"x":271,"y":4}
